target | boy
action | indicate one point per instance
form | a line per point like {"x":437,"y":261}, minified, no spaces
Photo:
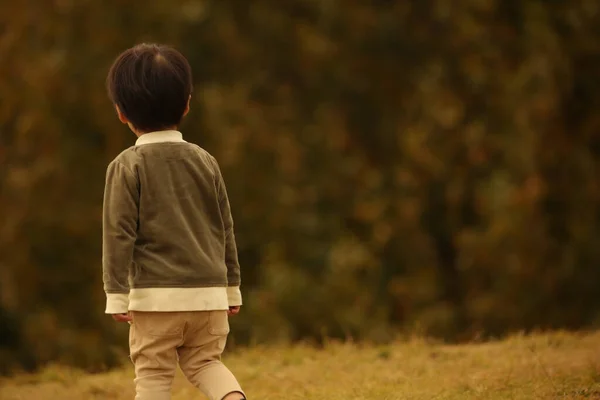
{"x":170,"y":265}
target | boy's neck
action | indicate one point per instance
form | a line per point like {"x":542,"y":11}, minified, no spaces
{"x":139,"y":133}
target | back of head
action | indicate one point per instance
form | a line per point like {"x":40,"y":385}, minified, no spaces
{"x":151,"y":84}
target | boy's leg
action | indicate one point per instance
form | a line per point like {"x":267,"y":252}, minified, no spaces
{"x":200,"y":356}
{"x":153,"y":341}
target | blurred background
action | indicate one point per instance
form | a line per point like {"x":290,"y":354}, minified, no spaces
{"x":394,"y":167}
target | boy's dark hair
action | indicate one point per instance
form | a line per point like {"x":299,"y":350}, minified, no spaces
{"x":151,"y":85}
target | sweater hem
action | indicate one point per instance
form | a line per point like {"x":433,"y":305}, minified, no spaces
{"x":174,"y":299}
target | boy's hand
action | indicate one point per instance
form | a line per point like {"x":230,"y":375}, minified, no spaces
{"x":121,"y":317}
{"x":233,"y":310}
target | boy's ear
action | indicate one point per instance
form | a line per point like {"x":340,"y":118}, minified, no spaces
{"x":187,"y":108}
{"x":122,"y":117}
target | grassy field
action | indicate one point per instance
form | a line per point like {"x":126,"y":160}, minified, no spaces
{"x":550,"y":366}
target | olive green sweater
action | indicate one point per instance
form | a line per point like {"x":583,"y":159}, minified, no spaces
{"x":168,"y":241}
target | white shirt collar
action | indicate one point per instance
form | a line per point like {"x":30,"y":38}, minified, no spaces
{"x":160,"y":137}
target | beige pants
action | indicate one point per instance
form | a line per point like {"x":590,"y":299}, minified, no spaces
{"x":159,"y":340}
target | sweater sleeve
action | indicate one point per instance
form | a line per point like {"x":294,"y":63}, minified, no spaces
{"x":119,"y":231}
{"x":231,"y":255}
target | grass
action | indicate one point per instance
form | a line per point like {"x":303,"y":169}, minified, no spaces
{"x":548,"y":366}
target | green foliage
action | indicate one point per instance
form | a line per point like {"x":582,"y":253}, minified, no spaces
{"x":427,"y":165}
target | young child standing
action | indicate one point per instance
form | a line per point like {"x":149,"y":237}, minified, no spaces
{"x":170,"y":265}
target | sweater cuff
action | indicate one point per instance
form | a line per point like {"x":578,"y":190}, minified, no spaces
{"x":117,"y":303}
{"x":234,"y":296}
